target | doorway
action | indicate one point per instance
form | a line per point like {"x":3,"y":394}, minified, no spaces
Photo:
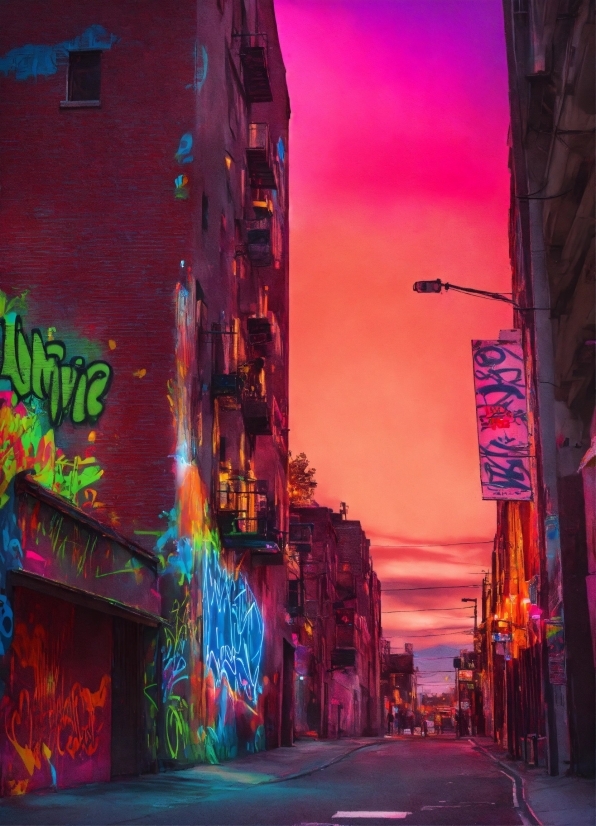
{"x":287,"y":700}
{"x":127,"y":690}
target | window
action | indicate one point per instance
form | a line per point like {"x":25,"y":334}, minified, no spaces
{"x":84,"y":75}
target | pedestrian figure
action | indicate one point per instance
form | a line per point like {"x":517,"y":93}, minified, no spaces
{"x":390,"y":719}
{"x":401,"y":721}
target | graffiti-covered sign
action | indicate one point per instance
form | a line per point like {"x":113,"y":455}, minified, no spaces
{"x":502,"y":418}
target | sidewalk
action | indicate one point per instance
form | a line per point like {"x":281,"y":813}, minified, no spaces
{"x":137,"y":796}
{"x":556,"y":801}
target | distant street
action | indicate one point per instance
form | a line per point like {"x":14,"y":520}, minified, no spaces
{"x":416,"y":781}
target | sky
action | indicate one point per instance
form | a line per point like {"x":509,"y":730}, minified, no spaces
{"x":398,"y":173}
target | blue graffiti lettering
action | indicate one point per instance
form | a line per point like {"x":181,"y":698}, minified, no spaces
{"x":233,"y":630}
{"x":183,"y":154}
{"x":42,"y":61}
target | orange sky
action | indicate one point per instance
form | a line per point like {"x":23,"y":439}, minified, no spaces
{"x":398,"y":153}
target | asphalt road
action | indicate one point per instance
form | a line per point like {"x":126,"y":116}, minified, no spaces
{"x":412,"y":781}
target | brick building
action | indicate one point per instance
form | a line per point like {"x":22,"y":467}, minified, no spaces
{"x":539,"y":603}
{"x":337,"y":616}
{"x":143,"y":387}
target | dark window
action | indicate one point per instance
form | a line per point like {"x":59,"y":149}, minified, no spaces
{"x":205,"y":212}
{"x":84,"y":75}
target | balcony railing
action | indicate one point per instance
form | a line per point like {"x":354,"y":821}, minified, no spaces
{"x":225,"y":385}
{"x":295,"y":598}
{"x":259,"y":331}
{"x":256,"y":412}
{"x":255,"y":71}
{"x":258,"y":246}
{"x":300,"y":538}
{"x":246,"y":522}
{"x":260,"y":157}
{"x":345,"y":632}
{"x":343,"y":657}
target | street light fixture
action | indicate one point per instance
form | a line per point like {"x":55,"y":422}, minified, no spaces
{"x":475,"y":601}
{"x":437,"y":285}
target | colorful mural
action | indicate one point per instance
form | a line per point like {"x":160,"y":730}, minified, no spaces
{"x":31,"y":374}
{"x":55,"y":716}
{"x":203,"y":681}
{"x":212,"y":646}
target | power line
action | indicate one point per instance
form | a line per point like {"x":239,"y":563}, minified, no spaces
{"x":419,"y":636}
{"x":415,"y":610}
{"x":427,"y":588}
{"x":438,"y":544}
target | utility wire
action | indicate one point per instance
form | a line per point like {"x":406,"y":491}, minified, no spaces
{"x":416,"y":610}
{"x":437,"y":544}
{"x":427,"y":588}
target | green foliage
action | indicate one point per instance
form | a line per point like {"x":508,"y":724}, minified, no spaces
{"x":301,"y":480}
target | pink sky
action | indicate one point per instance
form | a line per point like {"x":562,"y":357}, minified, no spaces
{"x":398,"y":153}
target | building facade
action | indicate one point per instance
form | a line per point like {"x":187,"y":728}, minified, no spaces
{"x":539,"y":602}
{"x":143,"y":388}
{"x":337,"y":616}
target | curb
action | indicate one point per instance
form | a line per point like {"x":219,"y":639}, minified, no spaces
{"x":307,"y":772}
{"x":528,"y":815}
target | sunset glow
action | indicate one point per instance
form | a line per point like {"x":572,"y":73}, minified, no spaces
{"x":399,"y":173}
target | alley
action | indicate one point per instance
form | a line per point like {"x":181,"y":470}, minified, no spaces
{"x":418,"y":781}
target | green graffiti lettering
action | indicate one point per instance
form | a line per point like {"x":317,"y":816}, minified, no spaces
{"x":74,"y":389}
{"x":78,"y":413}
{"x":44,"y":364}
{"x":99,"y":378}
{"x":16,"y":357}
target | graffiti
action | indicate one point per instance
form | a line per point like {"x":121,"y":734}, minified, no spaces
{"x":37,"y":369}
{"x":42,"y":61}
{"x":181,"y":187}
{"x":501,"y":408}
{"x":234,"y":630}
{"x":184,"y":149}
{"x":55,"y":723}
{"x":201,"y":69}
{"x":24,"y":446}
{"x":211,"y":688}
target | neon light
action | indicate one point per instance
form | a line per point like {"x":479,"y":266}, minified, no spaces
{"x":233,"y":630}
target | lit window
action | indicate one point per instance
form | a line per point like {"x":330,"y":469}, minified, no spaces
{"x":84,"y":75}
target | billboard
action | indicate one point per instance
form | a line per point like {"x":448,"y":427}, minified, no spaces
{"x":502,"y":418}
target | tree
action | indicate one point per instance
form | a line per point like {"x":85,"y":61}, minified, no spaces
{"x":301,"y":480}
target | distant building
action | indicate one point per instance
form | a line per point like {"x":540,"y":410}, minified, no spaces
{"x":143,"y":388}
{"x":338,"y":624}
{"x":398,"y":680}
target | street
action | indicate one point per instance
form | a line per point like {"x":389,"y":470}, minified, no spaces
{"x":418,"y":781}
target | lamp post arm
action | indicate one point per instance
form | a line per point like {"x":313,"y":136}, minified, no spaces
{"x":472,"y":291}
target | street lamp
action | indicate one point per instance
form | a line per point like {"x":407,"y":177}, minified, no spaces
{"x":437,"y":285}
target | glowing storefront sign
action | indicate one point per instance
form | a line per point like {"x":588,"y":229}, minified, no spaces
{"x":502,"y":417}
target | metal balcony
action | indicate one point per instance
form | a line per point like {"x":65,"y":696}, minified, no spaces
{"x":258,"y":246}
{"x":255,"y":71}
{"x":300,"y":537}
{"x":225,"y":385}
{"x":260,"y":157}
{"x":343,"y":658}
{"x":256,"y":413}
{"x":253,"y":534}
{"x":295,"y":598}
{"x":259,"y":331}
